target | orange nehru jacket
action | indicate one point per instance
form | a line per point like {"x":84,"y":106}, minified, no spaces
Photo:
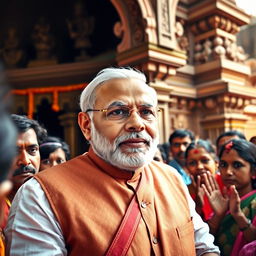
{"x":89,"y":198}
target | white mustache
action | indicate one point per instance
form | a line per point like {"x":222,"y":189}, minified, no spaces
{"x":133,"y":135}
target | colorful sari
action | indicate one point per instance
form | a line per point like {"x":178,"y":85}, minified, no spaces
{"x":229,"y":238}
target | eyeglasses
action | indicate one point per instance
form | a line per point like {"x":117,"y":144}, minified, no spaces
{"x":117,"y":113}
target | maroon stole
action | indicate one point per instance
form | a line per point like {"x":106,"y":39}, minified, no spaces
{"x":127,"y":229}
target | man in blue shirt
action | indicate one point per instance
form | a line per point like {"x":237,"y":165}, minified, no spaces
{"x":179,"y":141}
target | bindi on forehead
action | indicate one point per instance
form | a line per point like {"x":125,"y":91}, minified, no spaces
{"x":195,"y":151}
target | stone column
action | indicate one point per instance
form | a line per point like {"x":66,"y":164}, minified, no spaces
{"x":71,"y":129}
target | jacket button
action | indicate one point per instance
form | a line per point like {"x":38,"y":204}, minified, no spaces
{"x":143,"y":205}
{"x":155,"y":240}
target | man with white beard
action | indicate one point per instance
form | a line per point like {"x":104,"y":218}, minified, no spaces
{"x":114,"y":199}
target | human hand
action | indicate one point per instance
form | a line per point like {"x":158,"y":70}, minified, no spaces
{"x":234,"y":202}
{"x":199,"y":200}
{"x":219,"y":202}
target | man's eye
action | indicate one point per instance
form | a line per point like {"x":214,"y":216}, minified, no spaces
{"x":33,"y":151}
{"x":60,"y":161}
{"x":237,"y":165}
{"x":146,"y":112}
{"x":46,"y":161}
{"x":117,"y":112}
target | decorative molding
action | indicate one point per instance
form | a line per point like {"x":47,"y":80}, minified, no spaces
{"x":166,"y":19}
{"x":156,"y":62}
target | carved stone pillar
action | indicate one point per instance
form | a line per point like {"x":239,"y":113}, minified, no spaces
{"x":223,"y":113}
{"x":148,"y":37}
{"x":215,"y":25}
{"x":71,"y":129}
{"x":221,"y":75}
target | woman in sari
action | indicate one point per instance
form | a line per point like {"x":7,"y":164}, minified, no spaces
{"x":234,"y":221}
{"x":201,"y":157}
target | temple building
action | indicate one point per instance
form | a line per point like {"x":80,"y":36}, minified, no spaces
{"x":189,"y":50}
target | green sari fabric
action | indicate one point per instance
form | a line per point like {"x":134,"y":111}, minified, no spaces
{"x":228,"y":231}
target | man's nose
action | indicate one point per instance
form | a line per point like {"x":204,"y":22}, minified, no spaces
{"x":53,"y":163}
{"x":183,"y":148}
{"x":23,"y":158}
{"x":134,"y":122}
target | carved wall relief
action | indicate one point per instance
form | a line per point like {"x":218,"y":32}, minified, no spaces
{"x":44,"y":43}
{"x":180,"y":35}
{"x":12,"y":53}
{"x":166,"y":17}
{"x":215,"y":38}
{"x":137,"y":26}
{"x":80,"y":28}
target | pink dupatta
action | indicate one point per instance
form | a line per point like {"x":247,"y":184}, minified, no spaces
{"x":240,"y":241}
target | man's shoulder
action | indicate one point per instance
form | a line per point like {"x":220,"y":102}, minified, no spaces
{"x":72,"y":164}
{"x":81,"y":159}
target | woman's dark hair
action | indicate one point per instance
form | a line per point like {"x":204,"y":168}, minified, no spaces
{"x":202,"y":144}
{"x":244,"y":149}
{"x":239,"y":134}
{"x":50,"y":144}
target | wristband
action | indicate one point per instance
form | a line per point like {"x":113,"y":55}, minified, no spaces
{"x":248,"y":225}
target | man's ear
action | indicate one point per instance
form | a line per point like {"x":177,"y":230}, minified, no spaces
{"x":84,"y":122}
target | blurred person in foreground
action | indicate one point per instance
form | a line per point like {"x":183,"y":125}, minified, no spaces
{"x":114,"y":199}
{"x":8,"y":135}
{"x":53,"y":151}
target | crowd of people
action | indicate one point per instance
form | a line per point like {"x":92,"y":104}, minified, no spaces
{"x":222,"y":185}
{"x":128,"y":195}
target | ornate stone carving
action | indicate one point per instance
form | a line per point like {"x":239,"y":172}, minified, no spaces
{"x":181,"y":38}
{"x":233,"y":103}
{"x":138,"y":35}
{"x":11,"y":53}
{"x":165,"y":22}
{"x":216,"y":48}
{"x":219,"y":50}
{"x":44,"y":43}
{"x":80,"y":28}
{"x":214,"y":22}
{"x":210,"y":103}
{"x":216,"y":36}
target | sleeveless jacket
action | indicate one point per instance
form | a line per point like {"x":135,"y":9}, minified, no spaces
{"x":89,"y":198}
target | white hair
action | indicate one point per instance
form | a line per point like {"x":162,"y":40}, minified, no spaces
{"x":87,"y":98}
